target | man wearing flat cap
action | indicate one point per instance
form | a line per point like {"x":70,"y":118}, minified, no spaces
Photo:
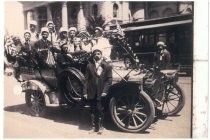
{"x":98,"y":79}
{"x":162,"y":57}
{"x":102,"y":44}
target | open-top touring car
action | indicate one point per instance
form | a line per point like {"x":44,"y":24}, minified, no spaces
{"x":132,"y":101}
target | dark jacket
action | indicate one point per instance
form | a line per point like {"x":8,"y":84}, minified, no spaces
{"x":95,"y":84}
{"x":63,"y":61}
{"x":41,"y":48}
{"x":163,"y":59}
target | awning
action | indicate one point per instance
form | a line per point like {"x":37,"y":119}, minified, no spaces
{"x":158,"y":25}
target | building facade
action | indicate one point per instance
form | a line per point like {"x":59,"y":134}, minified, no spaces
{"x":72,"y":13}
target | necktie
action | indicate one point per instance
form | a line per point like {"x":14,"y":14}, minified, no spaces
{"x":51,"y":37}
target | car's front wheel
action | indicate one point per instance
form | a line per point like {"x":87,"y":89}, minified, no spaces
{"x":132,"y":112}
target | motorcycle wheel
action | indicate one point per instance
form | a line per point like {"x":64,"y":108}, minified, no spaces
{"x":35,"y":102}
{"x":132,"y":112}
{"x":174,"y":100}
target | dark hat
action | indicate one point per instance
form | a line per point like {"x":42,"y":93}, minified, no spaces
{"x":44,"y":29}
{"x":97,"y":50}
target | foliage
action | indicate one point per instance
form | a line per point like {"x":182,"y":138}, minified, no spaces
{"x":93,"y":22}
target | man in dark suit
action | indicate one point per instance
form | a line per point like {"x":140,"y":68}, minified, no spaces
{"x":44,"y":50}
{"x":26,"y":44}
{"x":98,"y":79}
{"x":64,"y":60}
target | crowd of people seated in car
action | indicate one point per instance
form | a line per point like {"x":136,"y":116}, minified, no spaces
{"x":48,"y":39}
{"x":73,"y":39}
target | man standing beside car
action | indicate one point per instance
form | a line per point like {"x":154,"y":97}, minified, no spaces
{"x":98,"y":79}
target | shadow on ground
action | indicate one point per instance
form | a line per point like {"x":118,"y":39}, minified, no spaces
{"x":74,"y":116}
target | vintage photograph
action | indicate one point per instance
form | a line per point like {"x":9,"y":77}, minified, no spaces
{"x":98,"y":69}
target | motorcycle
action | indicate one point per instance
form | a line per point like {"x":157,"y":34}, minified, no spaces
{"x":162,"y":87}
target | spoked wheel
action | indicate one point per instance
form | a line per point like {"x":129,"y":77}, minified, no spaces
{"x":132,"y":112}
{"x":174,"y":100}
{"x":36,"y":102}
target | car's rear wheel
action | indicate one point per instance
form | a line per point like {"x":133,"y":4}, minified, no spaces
{"x":35,"y":102}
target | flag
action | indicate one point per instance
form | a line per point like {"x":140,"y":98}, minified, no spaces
{"x":119,"y":29}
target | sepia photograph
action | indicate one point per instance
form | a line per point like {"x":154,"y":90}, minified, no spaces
{"x":98,"y":69}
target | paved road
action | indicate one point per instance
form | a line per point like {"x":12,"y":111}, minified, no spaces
{"x":61,"y":123}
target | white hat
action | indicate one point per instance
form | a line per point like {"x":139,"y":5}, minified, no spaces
{"x":50,"y":22}
{"x":73,"y":29}
{"x":33,"y":22}
{"x":44,"y":29}
{"x":62,"y":29}
{"x":160,"y":43}
{"x":27,"y":31}
{"x":99,"y":28}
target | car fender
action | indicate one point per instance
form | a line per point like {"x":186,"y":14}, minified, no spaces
{"x":122,"y":87}
{"x":74,"y":71}
{"x":36,"y":85}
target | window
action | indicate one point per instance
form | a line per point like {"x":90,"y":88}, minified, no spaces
{"x":167,"y":12}
{"x":162,"y":37}
{"x":115,"y":10}
{"x":95,"y":10}
{"x":42,"y":16}
{"x":153,"y":14}
{"x":151,"y":39}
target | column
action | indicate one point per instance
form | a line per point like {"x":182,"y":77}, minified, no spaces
{"x":106,"y":10}
{"x":49,"y":12}
{"x":36,"y":17}
{"x":81,"y":18}
{"x":29,"y":18}
{"x":126,"y":11}
{"x":64,"y":15}
{"x":25,"y":20}
{"x":121,"y":11}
